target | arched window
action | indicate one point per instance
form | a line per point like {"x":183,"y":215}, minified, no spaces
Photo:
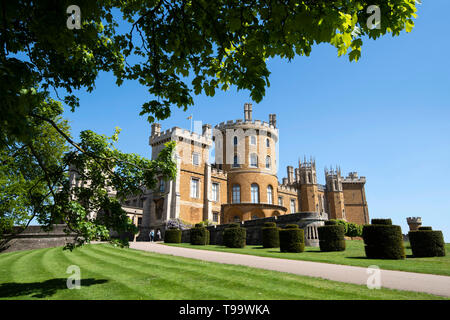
{"x":267,"y":143}
{"x":253,"y":140}
{"x":236,"y":197}
{"x":253,"y":160}
{"x":255,"y":193}
{"x":269,"y":194}
{"x":268,"y":162}
{"x":235,"y":141}
{"x":292,"y":206}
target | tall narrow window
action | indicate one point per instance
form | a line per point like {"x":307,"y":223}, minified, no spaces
{"x":195,"y":188}
{"x":195,"y":159}
{"x":162,"y":185}
{"x":253,"y":140}
{"x":215,"y":217}
{"x":292,"y":205}
{"x":268,"y":162}
{"x":255,"y":193}
{"x":236,"y":197}
{"x":280,"y":201}
{"x":215,"y":192}
{"x":235,"y":141}
{"x":267,"y":143}
{"x":253,"y":160}
{"x":235,"y":161}
{"x":269,"y":194}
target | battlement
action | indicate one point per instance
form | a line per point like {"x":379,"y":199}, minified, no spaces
{"x":218,"y":173}
{"x":353,"y":178}
{"x":175,"y":133}
{"x":255,"y":124}
{"x":286,"y":188}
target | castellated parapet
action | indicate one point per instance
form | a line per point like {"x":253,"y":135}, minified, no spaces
{"x":175,"y":133}
{"x":287,"y":188}
{"x":353,"y":178}
{"x":414,"y":223}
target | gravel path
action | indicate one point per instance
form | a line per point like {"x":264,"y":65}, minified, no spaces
{"x":410,"y":281}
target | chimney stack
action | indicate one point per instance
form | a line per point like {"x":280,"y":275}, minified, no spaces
{"x":290,"y":174}
{"x":248,"y":111}
{"x":156,"y":129}
{"x":273,"y":119}
{"x":206,"y":130}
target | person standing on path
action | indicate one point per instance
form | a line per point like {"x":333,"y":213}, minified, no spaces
{"x":158,"y":235}
{"x":152,"y":235}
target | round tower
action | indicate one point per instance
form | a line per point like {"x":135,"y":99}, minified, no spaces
{"x":246,"y":151}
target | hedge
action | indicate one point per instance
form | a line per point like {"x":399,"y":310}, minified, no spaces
{"x":292,"y":239}
{"x":331,"y":223}
{"x":387,"y":222}
{"x":270,"y":235}
{"x":331,"y":238}
{"x":172,"y":236}
{"x":427,"y":243}
{"x":234,"y":237}
{"x":425,"y":228}
{"x":383,"y":241}
{"x":199,"y":235}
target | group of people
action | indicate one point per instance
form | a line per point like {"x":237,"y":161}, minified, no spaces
{"x":152,"y":235}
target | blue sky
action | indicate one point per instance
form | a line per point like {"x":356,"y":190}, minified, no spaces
{"x":386,"y":116}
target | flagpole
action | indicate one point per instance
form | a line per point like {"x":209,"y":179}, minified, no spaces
{"x":191,"y":122}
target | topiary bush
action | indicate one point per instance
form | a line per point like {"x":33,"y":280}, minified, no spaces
{"x":427,"y":243}
{"x":331,"y":238}
{"x":387,"y":222}
{"x":331,"y":223}
{"x":270,"y":235}
{"x":425,"y":228}
{"x":199,"y":235}
{"x":172,"y":236}
{"x":383,"y":241}
{"x":292,"y":239}
{"x":234,"y":237}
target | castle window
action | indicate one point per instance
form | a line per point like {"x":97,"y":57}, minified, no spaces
{"x":269,"y":194}
{"x":236,"y":194}
{"x":235,"y":161}
{"x":139,"y":221}
{"x":195,"y":188}
{"x":253,"y":160}
{"x":280,"y":201}
{"x":162,"y":185}
{"x":215,"y":192}
{"x":268,"y":162}
{"x":236,"y":219}
{"x":195,"y":159}
{"x":255,"y":193}
{"x":267,"y":143}
{"x":253,"y":140}
{"x":215,"y":217}
{"x":235,"y":141}
{"x":292,"y":205}
{"x":309,"y":178}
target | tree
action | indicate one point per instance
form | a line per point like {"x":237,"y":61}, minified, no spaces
{"x":174,"y":48}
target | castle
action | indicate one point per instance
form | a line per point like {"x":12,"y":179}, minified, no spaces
{"x":242,"y":183}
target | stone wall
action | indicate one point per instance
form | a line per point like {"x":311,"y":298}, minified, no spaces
{"x":34,"y":237}
{"x":308,"y":221}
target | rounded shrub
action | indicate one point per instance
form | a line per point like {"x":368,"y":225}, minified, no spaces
{"x":425,"y":228}
{"x":427,"y":243}
{"x":172,"y":236}
{"x":383,"y":241}
{"x":353,"y":230}
{"x":292,"y":239}
{"x":331,"y":238}
{"x":199,"y":235}
{"x":270,"y":235}
{"x":382,"y":221}
{"x":331,"y":223}
{"x":234,"y":237}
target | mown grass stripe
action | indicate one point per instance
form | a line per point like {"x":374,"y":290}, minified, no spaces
{"x":162,"y":283}
{"x":226,"y":278}
{"x":94,"y":268}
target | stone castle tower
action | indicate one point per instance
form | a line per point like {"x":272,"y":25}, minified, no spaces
{"x":242,"y":183}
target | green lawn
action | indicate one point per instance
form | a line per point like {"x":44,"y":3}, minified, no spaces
{"x":108,"y":272}
{"x":353,"y":255}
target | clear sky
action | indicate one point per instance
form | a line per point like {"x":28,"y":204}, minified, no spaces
{"x":386,"y":116}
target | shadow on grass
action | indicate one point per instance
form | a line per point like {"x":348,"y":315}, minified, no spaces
{"x":41,"y":289}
